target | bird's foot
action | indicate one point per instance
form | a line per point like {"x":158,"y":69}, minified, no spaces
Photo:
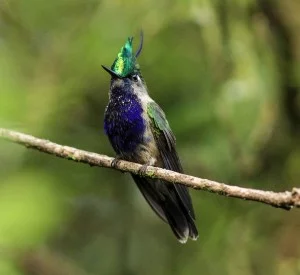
{"x":115,"y":161}
{"x":142,"y":170}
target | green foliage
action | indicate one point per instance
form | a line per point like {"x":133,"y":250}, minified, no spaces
{"x":227,"y":76}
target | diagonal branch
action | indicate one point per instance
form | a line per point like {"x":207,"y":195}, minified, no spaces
{"x":285,"y":200}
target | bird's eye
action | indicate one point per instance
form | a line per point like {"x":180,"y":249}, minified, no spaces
{"x":135,"y":78}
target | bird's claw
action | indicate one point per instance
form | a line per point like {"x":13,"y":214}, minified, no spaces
{"x":115,"y":161}
{"x":142,"y":170}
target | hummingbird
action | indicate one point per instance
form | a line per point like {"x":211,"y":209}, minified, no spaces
{"x":138,"y":131}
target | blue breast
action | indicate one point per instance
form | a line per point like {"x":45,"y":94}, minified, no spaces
{"x":123,"y":122}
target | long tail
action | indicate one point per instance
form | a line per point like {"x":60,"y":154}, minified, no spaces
{"x":167,"y":202}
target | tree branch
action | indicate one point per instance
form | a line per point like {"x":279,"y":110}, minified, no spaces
{"x":285,"y":200}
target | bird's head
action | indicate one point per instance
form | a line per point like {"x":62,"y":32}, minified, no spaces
{"x":125,"y":70}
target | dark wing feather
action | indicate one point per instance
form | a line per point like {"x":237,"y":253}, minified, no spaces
{"x":166,"y":142}
{"x":163,"y":200}
{"x":148,"y":188}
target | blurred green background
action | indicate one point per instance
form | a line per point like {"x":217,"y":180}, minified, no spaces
{"x":227,"y":74}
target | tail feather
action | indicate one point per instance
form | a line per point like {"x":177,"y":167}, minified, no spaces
{"x":177,"y":221}
{"x":167,"y":204}
{"x":150,"y":196}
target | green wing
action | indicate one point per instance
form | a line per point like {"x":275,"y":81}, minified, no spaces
{"x":164,"y":137}
{"x":166,"y":142}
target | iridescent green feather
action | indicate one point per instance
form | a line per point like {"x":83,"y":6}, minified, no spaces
{"x":125,"y":63}
{"x":161,"y":125}
{"x":158,"y":117}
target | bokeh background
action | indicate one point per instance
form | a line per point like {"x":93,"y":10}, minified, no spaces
{"x":227,"y":74}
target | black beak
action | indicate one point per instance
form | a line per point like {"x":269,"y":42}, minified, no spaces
{"x":111,"y":72}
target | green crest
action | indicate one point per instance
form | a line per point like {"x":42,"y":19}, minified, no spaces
{"x":125,"y":63}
